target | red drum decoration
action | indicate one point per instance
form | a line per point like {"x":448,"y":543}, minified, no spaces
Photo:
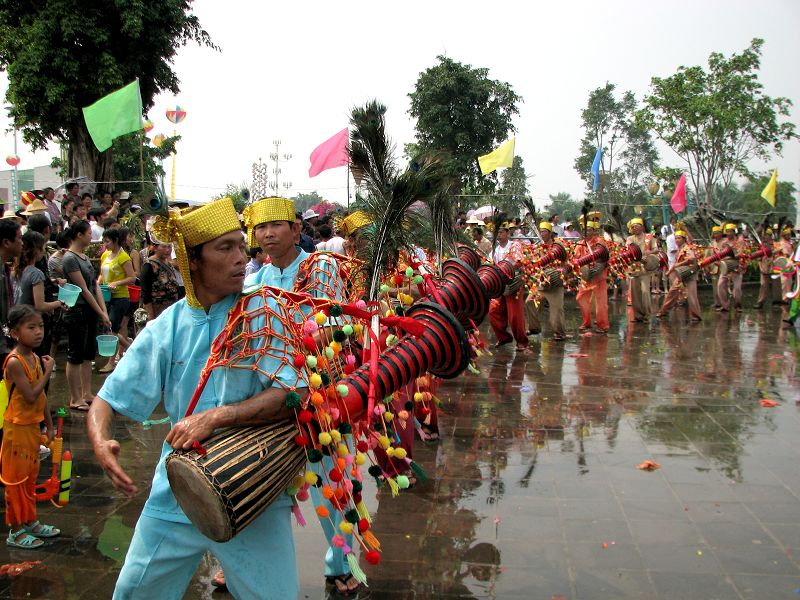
{"x":726,"y":252}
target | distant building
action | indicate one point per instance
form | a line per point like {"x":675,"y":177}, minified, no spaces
{"x":29,"y":179}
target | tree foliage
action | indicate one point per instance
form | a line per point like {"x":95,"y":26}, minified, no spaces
{"x":565,"y":205}
{"x":718,"y":119}
{"x":629,"y":155}
{"x":462,"y":114}
{"x":63,"y":55}
{"x":513,"y":189}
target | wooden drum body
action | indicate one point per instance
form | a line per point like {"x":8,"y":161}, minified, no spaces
{"x":244,"y":470}
{"x":551,"y":279}
{"x":592,"y":271}
{"x":686,"y":272}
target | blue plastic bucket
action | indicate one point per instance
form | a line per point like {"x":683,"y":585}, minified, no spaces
{"x":106,"y":291}
{"x":68,"y":293}
{"x":106,"y":345}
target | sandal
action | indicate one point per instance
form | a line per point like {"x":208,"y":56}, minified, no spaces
{"x":24,"y":540}
{"x":433,"y":434}
{"x":342,"y":583}
{"x":80,"y":407}
{"x":45,"y":531}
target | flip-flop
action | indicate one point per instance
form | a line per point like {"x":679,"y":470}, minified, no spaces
{"x":79,"y":407}
{"x":45,"y":531}
{"x":23,"y":540}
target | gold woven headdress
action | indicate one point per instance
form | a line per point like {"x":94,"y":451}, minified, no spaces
{"x":266,"y":210}
{"x":191,"y":227}
{"x":353,"y":222}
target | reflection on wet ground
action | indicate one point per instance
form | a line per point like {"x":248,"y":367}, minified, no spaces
{"x":534,"y":489}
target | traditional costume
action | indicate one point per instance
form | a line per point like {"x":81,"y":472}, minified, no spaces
{"x":509,"y":309}
{"x":165,"y":360}
{"x":594,"y":285}
{"x":685,"y":269}
{"x":639,"y":275}
{"x":730,"y":279}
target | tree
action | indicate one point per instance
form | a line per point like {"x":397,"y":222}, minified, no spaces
{"x":462,"y":114}
{"x":717,"y":120}
{"x":63,"y":55}
{"x":303,"y":202}
{"x":629,"y":155}
{"x":565,"y":205}
{"x":514,"y":188}
{"x":745,"y":202}
{"x":127,"y":166}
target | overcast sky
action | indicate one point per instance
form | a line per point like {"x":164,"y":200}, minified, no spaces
{"x":292,"y":71}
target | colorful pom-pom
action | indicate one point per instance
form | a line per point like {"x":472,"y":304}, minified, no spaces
{"x":311,"y":361}
{"x":317,"y":399}
{"x":299,"y":361}
{"x":409,"y":272}
{"x":400,"y":453}
{"x":305,"y":416}
{"x":347,"y":330}
{"x":320,"y":318}
{"x":292,"y":400}
{"x":310,"y":343}
{"x":402,"y":482}
{"x":335,"y":475}
{"x":339,"y":336}
{"x":301,"y":439}
{"x":338,"y":541}
{"x":373,"y":557}
{"x":361,"y":458}
{"x":325,"y":438}
{"x":343,"y":390}
{"x":315,"y":380}
{"x":336,"y":310}
{"x":346,"y":528}
{"x":314,"y":455}
{"x":322,"y":512}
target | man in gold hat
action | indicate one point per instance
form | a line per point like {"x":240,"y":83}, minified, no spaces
{"x":595,"y":287}
{"x":553,"y":294}
{"x":271,"y":225}
{"x":165,"y":360}
{"x":717,"y":244}
{"x":786,"y":248}
{"x":730,"y":279}
{"x":765,"y":271}
{"x":640,"y":277}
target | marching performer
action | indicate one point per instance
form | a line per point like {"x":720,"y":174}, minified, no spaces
{"x":717,"y":243}
{"x":731,"y":270}
{"x":786,"y":248}
{"x":165,"y":361}
{"x":640,"y":276}
{"x":685,"y":270}
{"x":271,"y":225}
{"x":509,"y":309}
{"x":765,"y":271}
{"x":594,"y":285}
{"x":553,"y":294}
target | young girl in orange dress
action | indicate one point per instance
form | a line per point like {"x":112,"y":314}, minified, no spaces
{"x":27,"y":407}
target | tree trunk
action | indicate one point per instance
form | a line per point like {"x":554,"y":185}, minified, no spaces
{"x":86,"y":161}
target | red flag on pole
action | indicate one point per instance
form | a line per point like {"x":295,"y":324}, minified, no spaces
{"x":330,"y":154}
{"x":678,"y":201}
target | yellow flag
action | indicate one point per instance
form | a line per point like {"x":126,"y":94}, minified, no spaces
{"x":502,"y":156}
{"x":768,"y":192}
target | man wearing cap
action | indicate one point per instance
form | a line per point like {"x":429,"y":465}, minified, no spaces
{"x":640,"y":277}
{"x":271,"y":225}
{"x":717,"y":244}
{"x":730,"y":270}
{"x":686,"y":258}
{"x":595,"y":289}
{"x":765,"y":270}
{"x":508,"y":309}
{"x":786,"y":248}
{"x":555,"y":294}
{"x":165,"y":360}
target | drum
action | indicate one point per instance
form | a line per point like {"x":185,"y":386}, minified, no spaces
{"x":731,"y":264}
{"x":244,"y":470}
{"x":592,"y":271}
{"x":551,"y":279}
{"x":652,"y":262}
{"x":513,"y":286}
{"x":686,"y":272}
{"x":782,"y":264}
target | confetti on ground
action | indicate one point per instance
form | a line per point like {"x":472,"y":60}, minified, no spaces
{"x":578,"y":355}
{"x":14,"y":569}
{"x":767,"y":403}
{"x":648,"y":465}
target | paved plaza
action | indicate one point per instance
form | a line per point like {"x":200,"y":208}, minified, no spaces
{"x":534,"y":489}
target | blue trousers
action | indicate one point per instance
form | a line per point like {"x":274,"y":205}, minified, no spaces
{"x":163,"y":556}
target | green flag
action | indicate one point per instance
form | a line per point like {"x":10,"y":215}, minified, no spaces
{"x":114,"y":115}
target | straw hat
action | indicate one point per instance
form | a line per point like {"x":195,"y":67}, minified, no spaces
{"x":37,"y":206}
{"x":9,"y":213}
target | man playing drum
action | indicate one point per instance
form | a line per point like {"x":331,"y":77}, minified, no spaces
{"x":595,"y":287}
{"x":685,"y":270}
{"x":731,"y":270}
{"x":786,"y":248}
{"x":554,"y":293}
{"x":640,"y":274}
{"x":271,"y":225}
{"x":165,"y":360}
{"x":509,"y":309}
{"x":717,"y":244}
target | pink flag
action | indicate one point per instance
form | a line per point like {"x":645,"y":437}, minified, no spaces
{"x":330,"y":154}
{"x":678,"y":201}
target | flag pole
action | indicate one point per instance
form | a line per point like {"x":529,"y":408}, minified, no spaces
{"x":141,"y":137}
{"x":348,"y":186}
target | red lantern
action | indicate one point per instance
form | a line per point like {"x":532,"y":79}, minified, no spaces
{"x":13,"y":160}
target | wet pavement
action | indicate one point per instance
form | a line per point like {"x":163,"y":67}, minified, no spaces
{"x":534,"y":490}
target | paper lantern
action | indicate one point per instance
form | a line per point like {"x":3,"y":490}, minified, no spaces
{"x":176,"y":115}
{"x":12,"y":159}
{"x":158,"y":140}
{"x":148,"y":126}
